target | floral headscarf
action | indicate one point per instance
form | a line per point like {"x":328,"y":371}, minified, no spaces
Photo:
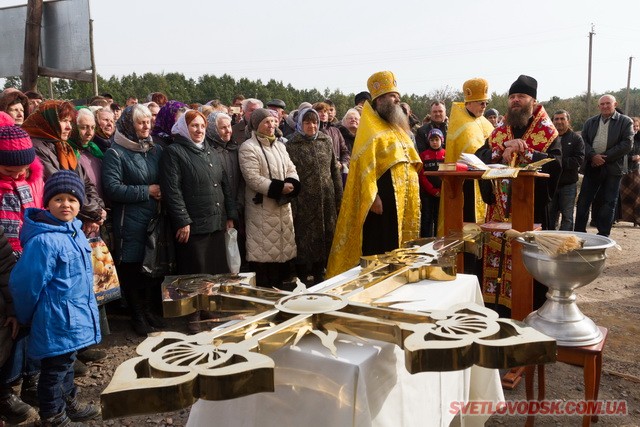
{"x":166,"y":118}
{"x":44,"y":123}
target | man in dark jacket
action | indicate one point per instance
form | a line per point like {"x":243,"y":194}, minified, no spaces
{"x":572,"y":157}
{"x":608,"y":137}
{"x":241,"y":132}
{"x":438,"y":121}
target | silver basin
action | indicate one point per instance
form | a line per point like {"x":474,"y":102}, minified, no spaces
{"x":560,"y":316}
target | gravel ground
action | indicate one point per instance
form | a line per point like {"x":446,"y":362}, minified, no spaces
{"x":612,"y":300}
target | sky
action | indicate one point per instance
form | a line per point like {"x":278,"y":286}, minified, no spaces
{"x":338,"y":44}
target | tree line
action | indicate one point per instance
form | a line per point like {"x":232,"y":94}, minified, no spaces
{"x":225,"y":87}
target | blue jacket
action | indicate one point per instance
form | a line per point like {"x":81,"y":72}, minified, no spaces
{"x":52,"y":286}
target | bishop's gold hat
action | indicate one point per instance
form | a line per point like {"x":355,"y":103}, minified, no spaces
{"x":475,"y":90}
{"x":380,"y":83}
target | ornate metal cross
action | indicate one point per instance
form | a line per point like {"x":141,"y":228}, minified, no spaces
{"x":174,"y":369}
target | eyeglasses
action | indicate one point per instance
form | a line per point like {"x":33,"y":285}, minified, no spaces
{"x":483,"y":103}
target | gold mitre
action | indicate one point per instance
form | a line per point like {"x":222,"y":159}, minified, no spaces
{"x":475,"y":90}
{"x":380,"y":83}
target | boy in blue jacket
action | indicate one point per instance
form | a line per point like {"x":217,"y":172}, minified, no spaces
{"x":52,"y":288}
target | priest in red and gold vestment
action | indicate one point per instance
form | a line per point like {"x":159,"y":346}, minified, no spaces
{"x":527,"y":134}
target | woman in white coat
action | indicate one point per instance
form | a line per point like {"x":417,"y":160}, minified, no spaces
{"x":271,"y":182}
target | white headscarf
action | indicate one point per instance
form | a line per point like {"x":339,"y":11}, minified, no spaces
{"x":180,"y":127}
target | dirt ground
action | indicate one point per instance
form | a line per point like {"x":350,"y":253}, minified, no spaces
{"x":612,"y":300}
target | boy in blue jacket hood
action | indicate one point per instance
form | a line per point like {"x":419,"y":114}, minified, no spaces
{"x":52,"y":286}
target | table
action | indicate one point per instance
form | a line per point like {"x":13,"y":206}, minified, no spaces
{"x":367,"y":383}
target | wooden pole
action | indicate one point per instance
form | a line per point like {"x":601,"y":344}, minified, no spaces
{"x":93,"y":60}
{"x":626,"y":104}
{"x":591,"y":34}
{"x":31,"y":45}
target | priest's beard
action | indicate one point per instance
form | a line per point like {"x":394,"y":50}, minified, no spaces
{"x":392,"y":113}
{"x":519,"y":118}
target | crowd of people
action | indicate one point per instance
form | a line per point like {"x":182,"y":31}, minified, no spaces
{"x":308,"y":193}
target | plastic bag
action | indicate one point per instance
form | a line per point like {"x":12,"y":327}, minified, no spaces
{"x":106,"y":285}
{"x":233,"y":253}
{"x":159,"y":253}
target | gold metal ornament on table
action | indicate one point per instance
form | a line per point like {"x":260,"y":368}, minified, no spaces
{"x":174,"y":369}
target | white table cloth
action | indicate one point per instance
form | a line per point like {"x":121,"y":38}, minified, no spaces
{"x":367,"y":383}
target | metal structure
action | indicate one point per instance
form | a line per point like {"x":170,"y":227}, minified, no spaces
{"x":560,"y":316}
{"x":174,"y":370}
{"x":65,"y":43}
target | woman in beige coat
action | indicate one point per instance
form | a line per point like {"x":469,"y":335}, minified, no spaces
{"x":272,"y":181}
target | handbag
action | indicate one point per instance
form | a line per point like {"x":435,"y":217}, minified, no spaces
{"x":159,"y":252}
{"x":106,"y":285}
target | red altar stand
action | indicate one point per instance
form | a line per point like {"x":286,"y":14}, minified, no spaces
{"x":522,"y":196}
{"x":589,"y":357}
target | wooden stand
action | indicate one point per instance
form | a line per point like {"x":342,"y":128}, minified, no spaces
{"x":589,"y":357}
{"x":521,"y":218}
{"x":522,"y":198}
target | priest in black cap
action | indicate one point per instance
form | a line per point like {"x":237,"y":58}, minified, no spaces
{"x":525,"y":136}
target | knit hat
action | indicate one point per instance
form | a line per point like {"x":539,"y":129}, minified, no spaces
{"x":435,"y":132}
{"x":16,"y":148}
{"x":64,"y":182}
{"x":257,"y":116}
{"x":491,"y":112}
{"x":475,"y":90}
{"x":525,"y":84}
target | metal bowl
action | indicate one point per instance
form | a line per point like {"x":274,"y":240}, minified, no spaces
{"x":571,"y":270}
{"x":560,"y":316}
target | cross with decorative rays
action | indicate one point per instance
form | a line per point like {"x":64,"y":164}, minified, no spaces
{"x":174,"y":369}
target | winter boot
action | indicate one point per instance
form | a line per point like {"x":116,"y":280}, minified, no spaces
{"x":77,"y":411}
{"x":91,"y":355}
{"x":148,"y":309}
{"x":59,"y":420}
{"x":139,"y":322}
{"x":12,"y":408}
{"x":79,"y":369}
{"x":153,"y":319}
{"x":29,"y":389}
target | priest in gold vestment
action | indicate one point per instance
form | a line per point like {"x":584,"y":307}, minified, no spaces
{"x":468,"y":130}
{"x":381,"y":203}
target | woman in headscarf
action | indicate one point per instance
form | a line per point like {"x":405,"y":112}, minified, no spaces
{"x":198,"y":197}
{"x":49,"y":128}
{"x":131,"y":181}
{"x":199,"y":201}
{"x":315,"y":210}
{"x":165,"y":120}
{"x":272,"y":182}
{"x":218,"y":136}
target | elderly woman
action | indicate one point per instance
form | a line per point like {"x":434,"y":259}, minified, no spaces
{"x":105,"y":128}
{"x":271,"y":183}
{"x":88,"y":153}
{"x":166,"y":118}
{"x":50,"y":128}
{"x":349,"y":127}
{"x":131,"y":181}
{"x":15,"y":104}
{"x":315,"y":210}
{"x":340,"y":149}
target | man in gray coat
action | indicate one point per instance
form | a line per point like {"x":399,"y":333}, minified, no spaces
{"x":608,"y":138}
